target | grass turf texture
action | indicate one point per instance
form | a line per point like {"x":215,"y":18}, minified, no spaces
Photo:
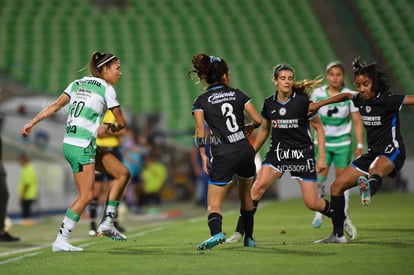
{"x":283,"y":234}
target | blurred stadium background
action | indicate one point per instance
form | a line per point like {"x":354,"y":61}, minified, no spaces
{"x":44,"y":44}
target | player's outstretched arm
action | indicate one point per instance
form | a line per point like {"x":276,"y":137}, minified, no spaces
{"x":409,"y":100}
{"x":314,"y":106}
{"x":62,"y":100}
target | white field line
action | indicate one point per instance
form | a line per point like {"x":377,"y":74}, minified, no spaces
{"x":145,"y":232}
{"x":11,"y":260}
{"x":40,"y":247}
{"x":15,"y":259}
{"x":23,"y":250}
{"x":92,"y":243}
{"x":87,"y":244}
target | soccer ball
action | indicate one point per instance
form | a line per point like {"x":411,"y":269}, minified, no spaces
{"x":8,"y":224}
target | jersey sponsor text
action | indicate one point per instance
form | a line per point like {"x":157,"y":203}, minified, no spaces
{"x":371,"y":120}
{"x":236,"y":137}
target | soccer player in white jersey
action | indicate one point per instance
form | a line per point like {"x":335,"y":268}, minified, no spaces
{"x":337,"y":122}
{"x":88,"y":100}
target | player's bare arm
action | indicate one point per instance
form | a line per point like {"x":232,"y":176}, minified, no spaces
{"x":120,"y":120}
{"x":262,"y":135}
{"x":254,"y":115}
{"x":320,"y":135}
{"x":45,"y":113}
{"x":314,"y":106}
{"x":409,"y":100}
{"x":200,"y":138}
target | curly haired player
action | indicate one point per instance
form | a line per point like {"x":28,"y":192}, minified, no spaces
{"x":222,"y":108}
{"x":379,"y":110}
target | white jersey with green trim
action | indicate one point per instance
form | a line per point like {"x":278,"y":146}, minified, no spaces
{"x":90,"y":97}
{"x":335,"y":118}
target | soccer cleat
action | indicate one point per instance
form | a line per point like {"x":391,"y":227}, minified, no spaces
{"x":365,"y":190}
{"x":111,"y":232}
{"x":350,"y":229}
{"x":236,"y":237}
{"x":333,"y":238}
{"x":317,"y":220}
{"x":249,"y":242}
{"x":6,"y":237}
{"x":217,"y":239}
{"x":63,"y":246}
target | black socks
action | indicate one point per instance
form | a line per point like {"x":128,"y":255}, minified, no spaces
{"x":327,"y":211}
{"x":255,"y":205}
{"x":214,"y":223}
{"x":247,"y":217}
{"x":375,"y":183}
{"x":240,"y":223}
{"x":338,"y":214}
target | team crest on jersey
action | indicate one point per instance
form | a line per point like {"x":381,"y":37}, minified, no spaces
{"x":368,"y":109}
{"x":282,"y":111}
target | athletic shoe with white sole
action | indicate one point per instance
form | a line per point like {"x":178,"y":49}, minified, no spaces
{"x":64,"y":246}
{"x":217,"y":239}
{"x":332,"y":239}
{"x":111,"y":232}
{"x":365,"y":190}
{"x":317,"y":220}
{"x":236,"y":237}
{"x":350,"y":229}
{"x":92,"y":233}
{"x":249,"y":242}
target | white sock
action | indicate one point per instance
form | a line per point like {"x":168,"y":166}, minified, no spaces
{"x":65,"y":229}
{"x":110,"y":214}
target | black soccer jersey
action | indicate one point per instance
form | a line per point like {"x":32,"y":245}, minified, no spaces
{"x":289,"y":121}
{"x":223,"y":108}
{"x":380,"y":117}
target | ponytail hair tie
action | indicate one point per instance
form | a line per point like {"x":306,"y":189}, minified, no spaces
{"x":357,"y":64}
{"x":214,"y":59}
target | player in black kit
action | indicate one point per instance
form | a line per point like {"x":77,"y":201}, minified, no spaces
{"x":286,"y":117}
{"x":222,"y":108}
{"x":379,"y":110}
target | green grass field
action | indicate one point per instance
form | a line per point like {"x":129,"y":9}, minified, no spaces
{"x":283,"y":233}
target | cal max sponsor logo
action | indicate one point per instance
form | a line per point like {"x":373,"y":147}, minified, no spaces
{"x":221,"y":97}
{"x":288,"y":153}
